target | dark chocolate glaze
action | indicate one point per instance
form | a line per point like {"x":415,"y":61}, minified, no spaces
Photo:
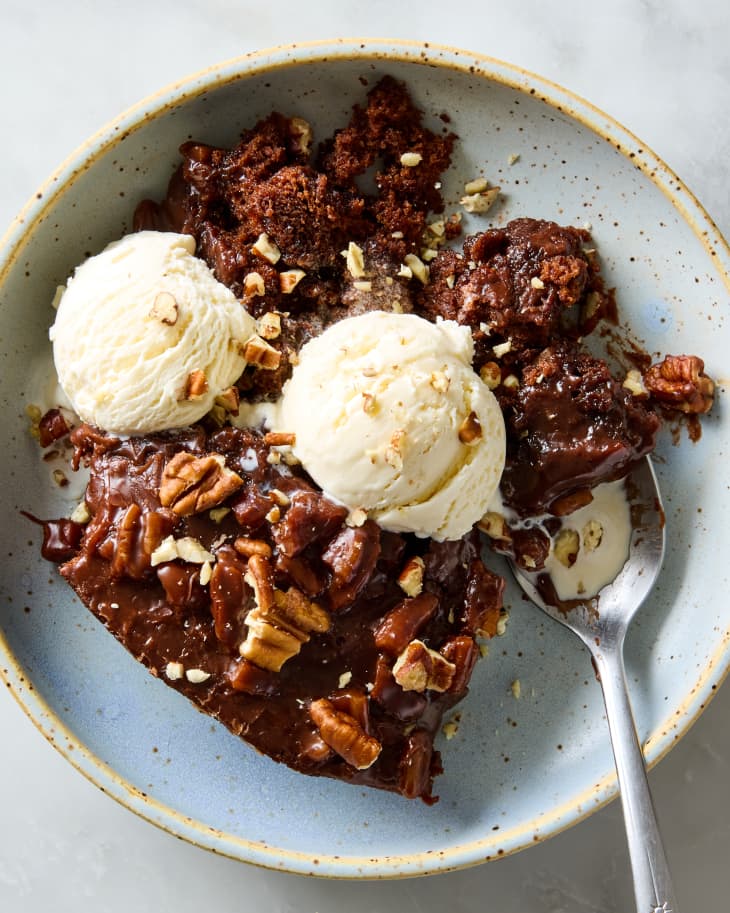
{"x":163,"y":614}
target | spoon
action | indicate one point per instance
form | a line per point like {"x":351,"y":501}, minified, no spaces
{"x":602,"y":624}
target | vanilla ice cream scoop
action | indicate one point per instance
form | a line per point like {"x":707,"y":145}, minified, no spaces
{"x":390,"y":417}
{"x":146,"y":337}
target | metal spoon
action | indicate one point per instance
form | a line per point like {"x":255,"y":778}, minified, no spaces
{"x":602,"y":629}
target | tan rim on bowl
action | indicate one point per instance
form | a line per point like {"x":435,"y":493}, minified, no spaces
{"x":661,"y":738}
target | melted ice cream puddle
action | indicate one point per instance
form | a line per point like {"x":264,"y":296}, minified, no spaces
{"x":603,"y":528}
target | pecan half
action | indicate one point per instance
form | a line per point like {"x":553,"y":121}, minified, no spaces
{"x":345,"y":735}
{"x":419,"y":668}
{"x":679,"y":382}
{"x":193,"y":484}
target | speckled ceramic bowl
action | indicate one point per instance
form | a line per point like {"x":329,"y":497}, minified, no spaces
{"x":517,"y":771}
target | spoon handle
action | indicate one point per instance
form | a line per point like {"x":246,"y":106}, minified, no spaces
{"x":652,"y":881}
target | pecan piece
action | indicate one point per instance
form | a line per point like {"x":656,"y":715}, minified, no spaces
{"x":345,"y":735}
{"x":52,"y":427}
{"x":230,"y":595}
{"x":193,"y":484}
{"x":483,"y":600}
{"x":404,"y":621}
{"x":679,"y":382}
{"x":410,"y":579}
{"x":351,"y":556}
{"x":281,"y":621}
{"x":419,"y":668}
{"x":268,"y":646}
{"x":462,"y":651}
{"x":415,"y":767}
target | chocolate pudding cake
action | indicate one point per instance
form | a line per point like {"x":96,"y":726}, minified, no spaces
{"x":329,"y":641}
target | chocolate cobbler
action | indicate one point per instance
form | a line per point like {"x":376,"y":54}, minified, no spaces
{"x":326,"y":642}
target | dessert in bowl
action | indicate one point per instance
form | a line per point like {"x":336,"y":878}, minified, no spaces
{"x":450,"y":622}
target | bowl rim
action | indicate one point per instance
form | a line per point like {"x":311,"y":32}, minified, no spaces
{"x":666,"y":734}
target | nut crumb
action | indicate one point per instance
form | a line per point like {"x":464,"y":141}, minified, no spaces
{"x":196,"y":385}
{"x":289,"y":280}
{"x":450,"y":281}
{"x":258,"y":352}
{"x":479,"y":203}
{"x":478,"y":185}
{"x":266,"y":249}
{"x":354,"y":259}
{"x":81,"y":513}
{"x":410,"y":579}
{"x":417,"y":267}
{"x":344,"y":680}
{"x":196,"y":676}
{"x":253,"y":285}
{"x":206,"y":571}
{"x":174,"y":671}
{"x":164,"y":308}
{"x":470,"y":430}
{"x":502,"y":348}
{"x":566,"y":547}
{"x":356,"y":517}
{"x":592,"y":535}
{"x":270,"y":325}
{"x":411,"y":159}
{"x":274,"y":515}
{"x":491,"y":374}
{"x":405,"y":272}
{"x":280,"y":439}
{"x":440,"y":381}
{"x":634,"y":383}
{"x":502,"y":623}
{"x":537,"y":283}
{"x":513,"y":158}
{"x":516,"y":688}
{"x":217,"y":513}
{"x":363,"y":285}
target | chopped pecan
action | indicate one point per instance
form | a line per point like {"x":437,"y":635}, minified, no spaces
{"x":193,"y":484}
{"x":268,"y":646}
{"x":403,"y":705}
{"x":196,"y":385}
{"x":310,"y":517}
{"x":679,"y":382}
{"x":470,"y":430}
{"x":418,"y":668}
{"x":462,"y":651}
{"x":137,"y":536}
{"x":402,"y":623}
{"x":297,"y":613}
{"x":355,"y":703}
{"x":345,"y":735}
{"x":230,"y":595}
{"x":483,"y":600}
{"x":52,"y":426}
{"x":410,"y":579}
{"x":258,"y":352}
{"x":245,"y":676}
{"x":531,"y":548}
{"x":415,"y":770}
{"x":351,"y":556}
{"x":281,"y":621}
{"x":249,"y":547}
{"x":301,"y":573}
{"x":259,"y":576}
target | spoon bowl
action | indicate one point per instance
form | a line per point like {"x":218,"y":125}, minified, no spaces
{"x":602,"y":621}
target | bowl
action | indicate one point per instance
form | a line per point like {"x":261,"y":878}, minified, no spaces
{"x":518,"y":769}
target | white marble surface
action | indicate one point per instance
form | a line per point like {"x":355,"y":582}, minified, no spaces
{"x":662,"y":68}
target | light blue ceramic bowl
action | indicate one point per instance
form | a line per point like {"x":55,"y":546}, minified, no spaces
{"x":518,"y":770}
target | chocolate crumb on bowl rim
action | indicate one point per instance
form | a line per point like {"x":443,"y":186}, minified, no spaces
{"x":114,"y":777}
